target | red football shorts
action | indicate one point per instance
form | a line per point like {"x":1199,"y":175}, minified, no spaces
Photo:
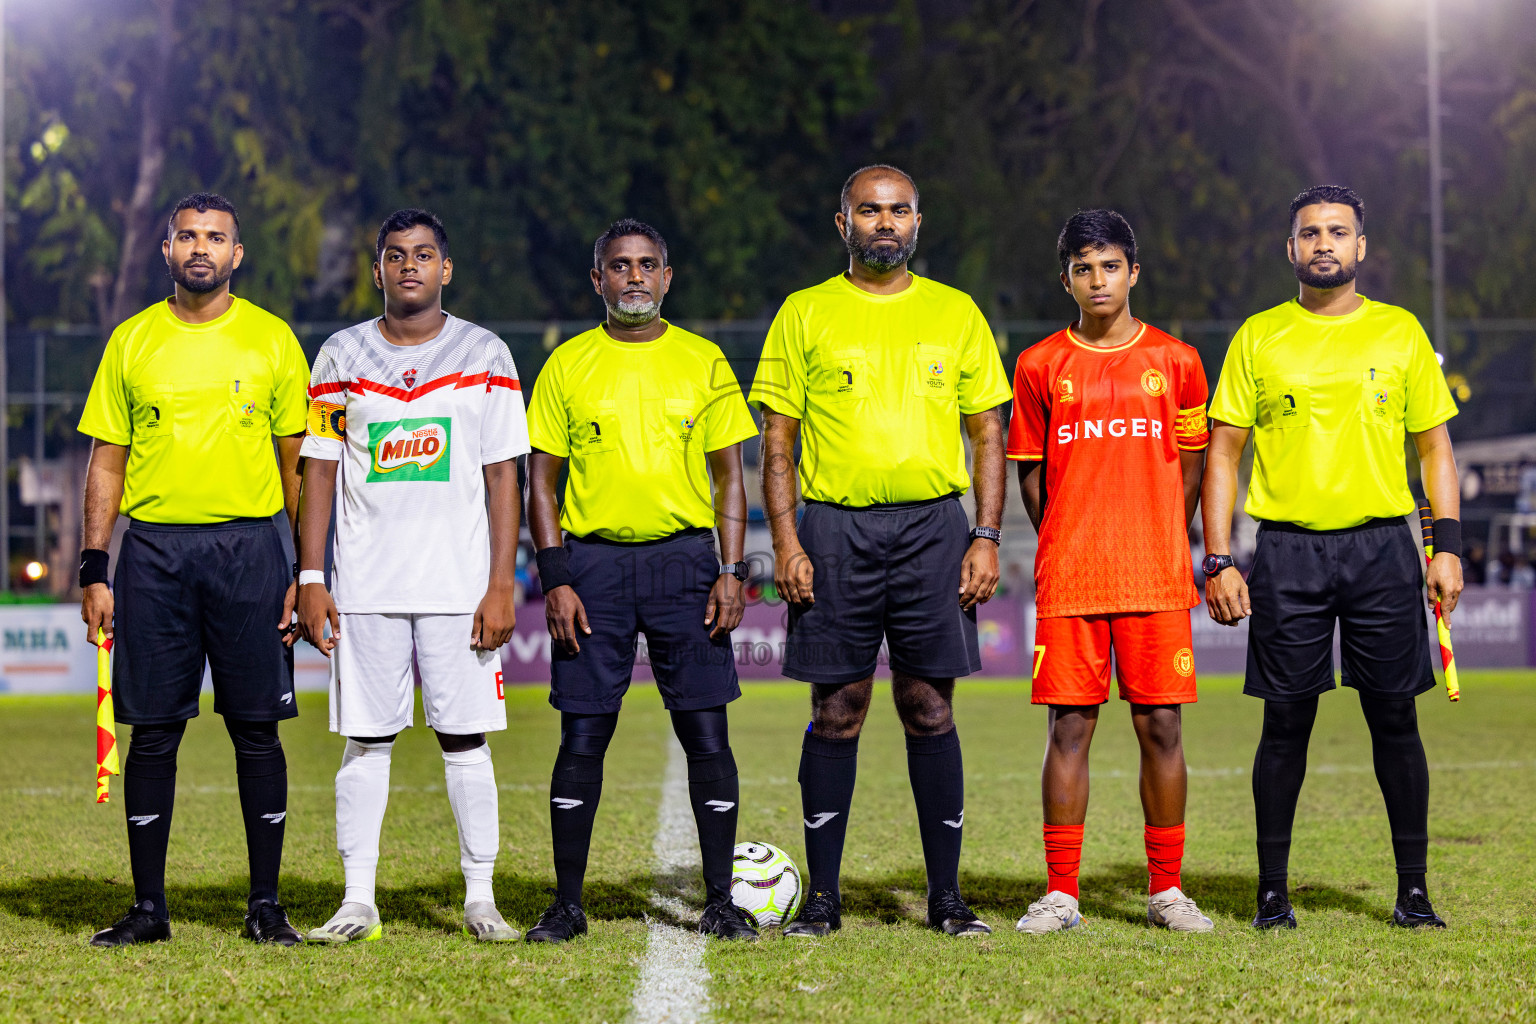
{"x":1154,"y":659}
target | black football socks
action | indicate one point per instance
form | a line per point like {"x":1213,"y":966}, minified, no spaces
{"x":1403,"y":774}
{"x":713,"y":791}
{"x":575,"y":787}
{"x":827,"y":771}
{"x":938,"y":787}
{"x":149,"y":795}
{"x":1279,"y":768}
{"x":262,"y":770}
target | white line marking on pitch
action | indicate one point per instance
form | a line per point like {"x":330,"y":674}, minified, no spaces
{"x":674,"y":983}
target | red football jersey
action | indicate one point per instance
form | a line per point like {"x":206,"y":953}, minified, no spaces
{"x":1109,"y":424}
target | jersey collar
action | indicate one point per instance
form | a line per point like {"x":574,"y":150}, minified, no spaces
{"x":1099,"y":348}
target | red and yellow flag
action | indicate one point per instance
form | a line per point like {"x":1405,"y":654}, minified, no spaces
{"x":106,"y":721}
{"x":1442,"y":631}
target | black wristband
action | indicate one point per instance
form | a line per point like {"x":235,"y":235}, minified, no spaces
{"x":93,"y":567}
{"x":554,"y":568}
{"x":1447,"y":537}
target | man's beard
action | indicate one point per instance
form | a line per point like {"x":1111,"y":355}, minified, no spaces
{"x":634,"y":314}
{"x":203,"y":285}
{"x":1335,"y":279}
{"x":881,"y":259}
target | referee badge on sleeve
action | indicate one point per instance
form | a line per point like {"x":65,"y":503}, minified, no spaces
{"x":327,"y":420}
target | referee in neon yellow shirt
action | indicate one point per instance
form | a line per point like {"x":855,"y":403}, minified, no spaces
{"x":647,"y":419}
{"x":1328,"y":385}
{"x":187,"y":402}
{"x":880,"y":375}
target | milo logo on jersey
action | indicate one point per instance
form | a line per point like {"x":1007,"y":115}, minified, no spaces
{"x":410,"y":449}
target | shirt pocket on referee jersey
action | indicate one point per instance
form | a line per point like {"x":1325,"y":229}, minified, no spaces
{"x":937,"y":371}
{"x":594,"y":428}
{"x":843,"y":376}
{"x":1382,"y":402}
{"x":673,"y":420}
{"x":153,"y":413}
{"x":250,"y":409}
{"x":1288,"y":400}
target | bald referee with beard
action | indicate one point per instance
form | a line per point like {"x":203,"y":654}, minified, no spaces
{"x":880,"y":375}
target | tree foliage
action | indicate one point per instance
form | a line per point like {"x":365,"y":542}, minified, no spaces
{"x":529,"y":126}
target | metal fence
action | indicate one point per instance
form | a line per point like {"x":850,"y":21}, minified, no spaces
{"x":48,"y":373}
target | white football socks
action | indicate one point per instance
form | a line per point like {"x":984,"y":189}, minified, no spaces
{"x":472,"y":794}
{"x":362,"y":792}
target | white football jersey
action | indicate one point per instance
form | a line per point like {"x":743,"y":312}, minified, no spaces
{"x":412,"y":426}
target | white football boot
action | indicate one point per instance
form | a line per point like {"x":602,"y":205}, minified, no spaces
{"x":1173,"y":910}
{"x":1054,"y":912}
{"x":354,"y":922}
{"x":484,"y":922}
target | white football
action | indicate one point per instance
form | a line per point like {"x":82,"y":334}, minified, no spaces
{"x":765,"y":883}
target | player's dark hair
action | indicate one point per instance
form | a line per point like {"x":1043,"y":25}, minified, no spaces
{"x":888,"y":169}
{"x":202,"y":202}
{"x":623,"y":228}
{"x":1317,"y":195}
{"x":404,"y":220}
{"x":1095,"y":230}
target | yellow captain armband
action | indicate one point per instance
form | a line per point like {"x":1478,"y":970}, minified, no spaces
{"x":327,"y":419}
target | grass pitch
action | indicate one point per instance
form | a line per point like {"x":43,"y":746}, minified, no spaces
{"x":64,"y":872}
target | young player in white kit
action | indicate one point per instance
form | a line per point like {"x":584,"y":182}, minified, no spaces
{"x":422,"y":415}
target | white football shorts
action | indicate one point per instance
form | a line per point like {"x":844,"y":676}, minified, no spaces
{"x":372,"y":681}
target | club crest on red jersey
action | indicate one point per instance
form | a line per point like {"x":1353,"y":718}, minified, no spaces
{"x":1064,"y":392}
{"x":1154,"y":383}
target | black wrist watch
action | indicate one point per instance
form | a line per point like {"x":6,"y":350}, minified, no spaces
{"x":1214,"y":565}
{"x":990,"y":533}
{"x":741,"y":570}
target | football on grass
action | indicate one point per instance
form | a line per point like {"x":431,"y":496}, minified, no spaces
{"x":765,"y":883}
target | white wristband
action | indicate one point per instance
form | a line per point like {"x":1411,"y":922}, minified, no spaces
{"x":308,"y":576}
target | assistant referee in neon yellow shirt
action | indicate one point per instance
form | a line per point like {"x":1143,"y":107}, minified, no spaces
{"x":186,"y":404}
{"x":1328,"y":385}
{"x":880,"y":375}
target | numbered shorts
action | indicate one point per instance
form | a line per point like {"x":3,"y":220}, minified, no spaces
{"x":1369,"y":579}
{"x":1154,"y":659}
{"x":190,"y":594}
{"x":373,"y":684}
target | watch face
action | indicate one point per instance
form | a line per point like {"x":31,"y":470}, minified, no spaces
{"x":1213,"y":564}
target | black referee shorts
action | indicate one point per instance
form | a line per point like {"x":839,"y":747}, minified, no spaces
{"x":185,"y":594}
{"x":887,"y":571}
{"x":1370,"y":580}
{"x":659,"y":588}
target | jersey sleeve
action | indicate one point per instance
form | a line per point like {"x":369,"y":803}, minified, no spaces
{"x":289,"y":398}
{"x":1191,"y":429}
{"x":504,"y":426}
{"x":1237,"y":396}
{"x":779,"y":384}
{"x":983,"y":381}
{"x":106,"y":416}
{"x":727,"y":420}
{"x":1026,"y":429}
{"x":548,"y":425}
{"x":1429,"y":397}
{"x":325,"y":425}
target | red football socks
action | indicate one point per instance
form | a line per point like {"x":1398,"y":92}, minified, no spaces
{"x":1063,"y":857}
{"x":1165,"y":856}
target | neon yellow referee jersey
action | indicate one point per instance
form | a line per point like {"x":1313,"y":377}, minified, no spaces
{"x":879,"y":383}
{"x":197,"y":405}
{"x":636,"y":420}
{"x":1330,"y":399}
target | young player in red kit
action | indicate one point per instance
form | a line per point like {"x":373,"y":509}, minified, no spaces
{"x":1109,"y":432}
